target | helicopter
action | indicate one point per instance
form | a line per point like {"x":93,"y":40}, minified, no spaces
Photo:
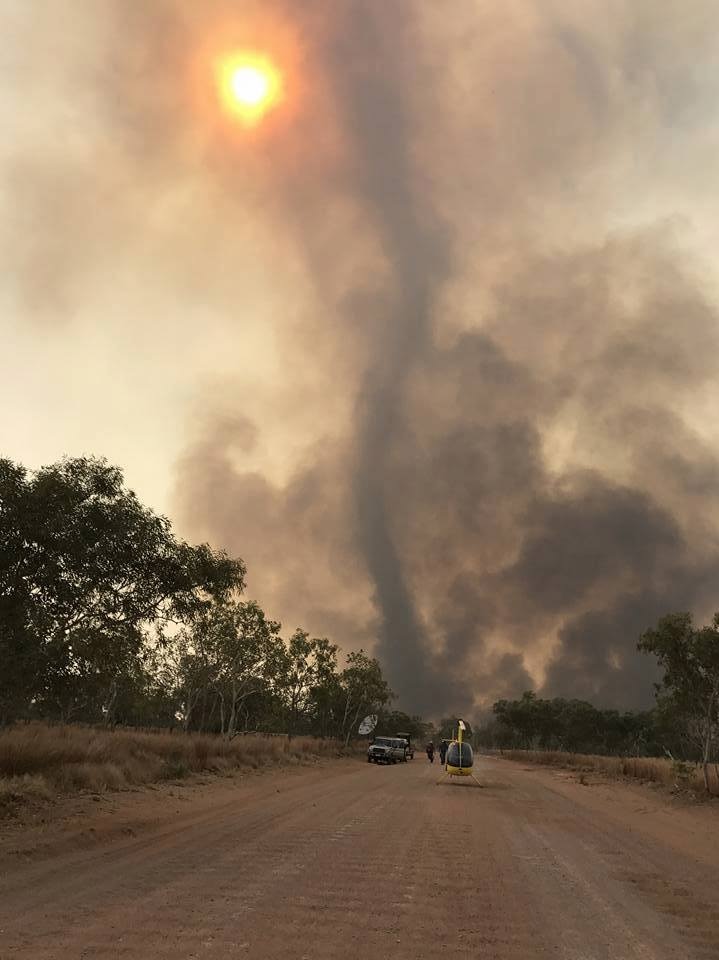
{"x":460,"y":760}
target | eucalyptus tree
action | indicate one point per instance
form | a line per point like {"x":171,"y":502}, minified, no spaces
{"x":85,"y":572}
{"x":689,"y":658}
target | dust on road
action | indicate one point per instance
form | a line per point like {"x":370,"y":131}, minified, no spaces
{"x":358,"y":861}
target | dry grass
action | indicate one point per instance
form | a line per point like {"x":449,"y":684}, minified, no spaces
{"x":678,"y":776}
{"x":38,"y":762}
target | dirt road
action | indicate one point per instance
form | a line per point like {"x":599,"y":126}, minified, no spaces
{"x":356,"y":861}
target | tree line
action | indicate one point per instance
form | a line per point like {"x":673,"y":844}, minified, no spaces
{"x":533,"y":723}
{"x":106,"y":616}
{"x":683,"y":724}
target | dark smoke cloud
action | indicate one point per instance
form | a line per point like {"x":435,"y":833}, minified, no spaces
{"x":475,"y":446}
{"x":368,"y":65}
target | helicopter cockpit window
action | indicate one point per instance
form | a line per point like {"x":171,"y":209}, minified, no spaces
{"x":454,"y":759}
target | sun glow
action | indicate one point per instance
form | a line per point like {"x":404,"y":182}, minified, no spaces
{"x":250,"y":86}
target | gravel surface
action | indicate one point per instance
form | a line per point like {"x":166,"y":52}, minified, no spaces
{"x":351,"y":860}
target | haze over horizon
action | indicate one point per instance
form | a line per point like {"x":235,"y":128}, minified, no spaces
{"x":433,"y":347}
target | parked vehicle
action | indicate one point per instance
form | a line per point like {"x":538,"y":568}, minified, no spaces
{"x":387,"y":750}
{"x":408,"y":740}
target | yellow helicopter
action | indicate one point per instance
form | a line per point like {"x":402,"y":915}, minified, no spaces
{"x":459,"y":760}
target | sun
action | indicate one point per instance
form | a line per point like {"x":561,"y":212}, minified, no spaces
{"x":250,"y":86}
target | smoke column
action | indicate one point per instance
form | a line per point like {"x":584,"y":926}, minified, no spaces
{"x":379,"y":128}
{"x":435,"y":351}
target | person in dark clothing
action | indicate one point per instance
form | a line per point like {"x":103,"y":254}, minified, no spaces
{"x":430,"y":751}
{"x":443,"y":751}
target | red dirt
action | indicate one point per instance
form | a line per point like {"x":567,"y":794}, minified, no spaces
{"x":352,"y":860}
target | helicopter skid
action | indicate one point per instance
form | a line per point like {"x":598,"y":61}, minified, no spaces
{"x":451,"y":780}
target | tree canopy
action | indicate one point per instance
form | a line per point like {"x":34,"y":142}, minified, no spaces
{"x":107,"y":616}
{"x":689,"y":658}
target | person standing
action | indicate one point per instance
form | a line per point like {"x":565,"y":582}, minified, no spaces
{"x":430,"y":751}
{"x":443,"y":751}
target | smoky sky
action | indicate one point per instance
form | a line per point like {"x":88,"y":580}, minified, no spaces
{"x":434,"y":350}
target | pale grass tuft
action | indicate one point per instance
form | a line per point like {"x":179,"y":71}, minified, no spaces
{"x":21,"y":789}
{"x":647,"y":769}
{"x":39,"y":760}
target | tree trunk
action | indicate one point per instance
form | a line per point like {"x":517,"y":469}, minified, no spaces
{"x":222,"y":714}
{"x":352,"y":725}
{"x":232,"y":722}
{"x":212,"y":712}
{"x":347,"y":707}
{"x":190,"y":704}
{"x":291,"y":724}
{"x":111,"y":702}
{"x":201,"y":726}
{"x":708,"y":739}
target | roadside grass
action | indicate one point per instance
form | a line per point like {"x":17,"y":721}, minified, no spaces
{"x":39,"y":762}
{"x":669,"y":773}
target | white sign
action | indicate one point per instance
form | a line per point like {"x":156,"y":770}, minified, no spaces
{"x":368,"y":724}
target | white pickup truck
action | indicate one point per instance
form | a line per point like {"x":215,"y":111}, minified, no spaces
{"x":387,"y":750}
{"x":407,"y":737}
